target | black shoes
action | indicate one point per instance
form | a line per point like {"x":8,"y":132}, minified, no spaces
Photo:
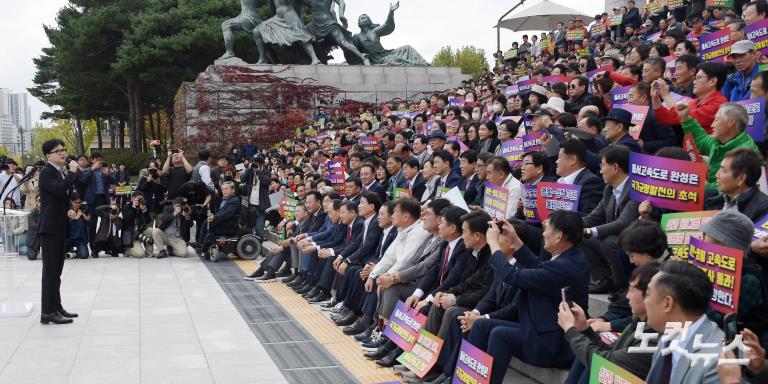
{"x":357,"y":327}
{"x":64,"y":313}
{"x":255,"y":275}
{"x":320,"y":297}
{"x":284,"y":272}
{"x":390,"y":359}
{"x":55,"y":318}
{"x":290,"y":278}
{"x":162,"y":254}
{"x":442,"y":379}
{"x":269,"y":276}
{"x":311,"y":293}
{"x":382,"y":351}
{"x":346,"y":320}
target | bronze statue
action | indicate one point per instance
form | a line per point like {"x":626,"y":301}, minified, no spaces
{"x":246,"y":21}
{"x":369,"y":42}
{"x":284,"y":28}
{"x":324,"y":26}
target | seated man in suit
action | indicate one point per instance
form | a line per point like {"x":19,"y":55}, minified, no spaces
{"x":284,"y":251}
{"x":368,"y":178}
{"x":413,"y":180}
{"x":616,"y":129}
{"x":603,"y":225}
{"x":536,"y":338}
{"x":680,"y":293}
{"x":312,"y":251}
{"x":468,"y":168}
{"x":447,"y":179}
{"x":571,"y":168}
{"x":353,"y":187}
{"x":225,"y":220}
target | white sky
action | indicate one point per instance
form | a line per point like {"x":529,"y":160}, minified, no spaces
{"x":427,"y":25}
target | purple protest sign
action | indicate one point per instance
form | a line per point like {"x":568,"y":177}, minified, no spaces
{"x":639,"y":113}
{"x":669,"y":70}
{"x":502,"y":119}
{"x":526,"y":85}
{"x":667,"y":183}
{"x":716,"y":45}
{"x":756,"y":111}
{"x":463,"y":147}
{"x":404,"y":326}
{"x":512,"y":150}
{"x":547,"y":81}
{"x":530,"y":203}
{"x":527,"y":124}
{"x":761,"y":228}
{"x":620,"y":95}
{"x":472,"y":366}
{"x":758,"y":33}
{"x":512,"y":90}
{"x":495,"y":201}
{"x":653,"y":37}
{"x":456,"y":101}
{"x":371,"y":143}
{"x":693,"y":38}
{"x":553,"y":196}
{"x":532,"y":141}
{"x":594,"y":72}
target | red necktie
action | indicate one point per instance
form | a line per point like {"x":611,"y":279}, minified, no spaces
{"x":445,"y":262}
{"x":349,"y":234}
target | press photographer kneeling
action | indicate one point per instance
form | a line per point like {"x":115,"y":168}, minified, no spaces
{"x":137,"y":231}
{"x":173,"y":229}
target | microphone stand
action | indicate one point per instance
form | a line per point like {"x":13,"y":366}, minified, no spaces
{"x":24,"y":179}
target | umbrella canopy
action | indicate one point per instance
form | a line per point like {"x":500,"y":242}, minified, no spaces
{"x":543,"y":16}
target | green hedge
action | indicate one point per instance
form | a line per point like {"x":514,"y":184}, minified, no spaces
{"x":134,"y":162}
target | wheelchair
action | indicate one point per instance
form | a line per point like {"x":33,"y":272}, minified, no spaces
{"x":231,"y":237}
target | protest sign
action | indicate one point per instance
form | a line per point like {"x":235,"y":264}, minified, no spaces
{"x":718,"y":24}
{"x":654,"y":6}
{"x":473,"y":365}
{"x":602,"y":371}
{"x":462,"y":147}
{"x":530,"y":203}
{"x":669,"y":70}
{"x":526,"y":85}
{"x":615,"y":20}
{"x":756,"y":111}
{"x":598,"y":29}
{"x":502,"y":119}
{"x":675,"y":4}
{"x":547,"y":81}
{"x":288,"y":205}
{"x":400,"y":192}
{"x":370,"y":143}
{"x":123,"y":190}
{"x":594,"y":72}
{"x":337,"y":175}
{"x":723,"y":267}
{"x":423,"y":356}
{"x":681,"y":227}
{"x":511,"y":90}
{"x":404,"y":326}
{"x":512,"y":150}
{"x":689,"y":145}
{"x":620,"y":95}
{"x":716,"y":45}
{"x":639,"y":113}
{"x":456,"y":101}
{"x":553,"y":196}
{"x":495,"y":201}
{"x":694,"y":39}
{"x":653,"y":37}
{"x":719,"y":3}
{"x":527,"y":124}
{"x":758,"y":33}
{"x":761,"y":228}
{"x":667,"y":183}
{"x":532,"y":141}
{"x":575,"y":34}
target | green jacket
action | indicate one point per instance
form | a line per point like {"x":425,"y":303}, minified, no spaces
{"x":709,"y":146}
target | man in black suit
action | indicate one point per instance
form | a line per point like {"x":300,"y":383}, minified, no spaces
{"x":444,"y":167}
{"x":413,"y":180}
{"x":56,"y":179}
{"x":352,"y":188}
{"x":368,"y":177}
{"x":468,"y":167}
{"x":571,"y":168}
{"x":602,"y":226}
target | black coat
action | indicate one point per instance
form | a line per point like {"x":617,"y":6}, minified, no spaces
{"x":475,"y":279}
{"x":54,"y":201}
{"x":753,"y":204}
{"x":592,"y":188}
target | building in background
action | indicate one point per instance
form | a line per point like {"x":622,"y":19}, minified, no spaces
{"x":15,"y":121}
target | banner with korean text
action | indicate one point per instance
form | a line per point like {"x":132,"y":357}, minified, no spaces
{"x":513,"y":151}
{"x":404,"y":326}
{"x":495,"y":201}
{"x":681,"y":227}
{"x":639,"y":113}
{"x":370,"y":143}
{"x":337,"y":176}
{"x":761,"y":228}
{"x":716,"y":45}
{"x":530,"y":203}
{"x":758,"y":33}
{"x":723,"y":267}
{"x":532,"y":142}
{"x":667,"y":183}
{"x":756,"y":111}
{"x":603,"y":371}
{"x":473,"y":365}
{"x":553,"y":196}
{"x":423,"y":356}
{"x":620,"y":95}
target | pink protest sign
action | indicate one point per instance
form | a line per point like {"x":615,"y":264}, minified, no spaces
{"x":404,"y":326}
{"x":553,"y":196}
{"x":639,"y":113}
{"x":667,"y":183}
{"x":723,"y":267}
{"x":512,"y":150}
{"x":423,"y":356}
{"x":473,"y":365}
{"x":495,"y":201}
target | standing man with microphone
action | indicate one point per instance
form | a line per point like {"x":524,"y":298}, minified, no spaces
{"x":56,"y":180}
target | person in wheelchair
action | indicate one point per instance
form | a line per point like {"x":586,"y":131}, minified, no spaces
{"x":225,"y":221}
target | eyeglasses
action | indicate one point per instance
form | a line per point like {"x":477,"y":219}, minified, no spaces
{"x":524,"y":164}
{"x":571,"y":86}
{"x":58,"y":151}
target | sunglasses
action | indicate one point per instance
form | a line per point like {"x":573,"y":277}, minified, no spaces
{"x":571,"y":86}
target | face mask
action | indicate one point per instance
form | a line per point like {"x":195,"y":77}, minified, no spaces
{"x":470,"y":100}
{"x":475,"y":116}
{"x":497,"y":108}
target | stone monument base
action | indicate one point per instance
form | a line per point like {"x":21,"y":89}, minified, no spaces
{"x":215,"y":96}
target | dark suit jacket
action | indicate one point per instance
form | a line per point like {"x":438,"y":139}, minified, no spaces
{"x":338,"y":233}
{"x":228,"y":209}
{"x":471,"y":192}
{"x":419,"y":186}
{"x":54,"y":201}
{"x":630,"y":143}
{"x":378,"y":188}
{"x":384,"y":244}
{"x":655,"y":135}
{"x":315,"y":222}
{"x":87,"y":179}
{"x":346,"y":248}
{"x":430,"y":282}
{"x":592,"y":187}
{"x":355,"y":199}
{"x":499,"y":302}
{"x":610,"y":219}
{"x":539,"y":284}
{"x":453,"y":180}
{"x":475,"y":279}
{"x":752,"y":203}
{"x":105,"y":223}
{"x":367,"y":248}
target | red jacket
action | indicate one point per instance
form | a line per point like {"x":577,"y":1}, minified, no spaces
{"x":702,"y":111}
{"x":620,"y":79}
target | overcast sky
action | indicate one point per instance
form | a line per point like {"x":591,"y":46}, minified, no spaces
{"x":426,"y":25}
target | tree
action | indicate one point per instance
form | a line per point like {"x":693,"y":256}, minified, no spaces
{"x":470,"y":59}
{"x":67,"y":131}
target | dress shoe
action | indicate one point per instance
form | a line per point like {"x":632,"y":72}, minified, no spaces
{"x":346,"y":320}
{"x":399,"y":368}
{"x":337,"y":316}
{"x":329,"y":305}
{"x":385,"y":346}
{"x":305,"y":288}
{"x":443,"y":378}
{"x":299,"y":280}
{"x":284,"y":272}
{"x":255,"y":275}
{"x":390,"y":359}
{"x":290,"y":278}
{"x":365,"y":334}
{"x":320,"y":297}
{"x":358,"y":326}
{"x":602,"y":286}
{"x":55,"y":318}
{"x":64,"y":313}
{"x":268,"y":277}
{"x":311,"y":293}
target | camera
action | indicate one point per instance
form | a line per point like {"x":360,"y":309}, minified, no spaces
{"x":186,"y":209}
{"x":153,"y":173}
{"x":141,"y":200}
{"x":145,"y":240}
{"x":72,"y":253}
{"x":84,"y":207}
{"x":173,"y":151}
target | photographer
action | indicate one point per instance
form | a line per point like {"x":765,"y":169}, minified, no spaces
{"x":178,"y":174}
{"x":9,"y":175}
{"x":173,"y":229}
{"x":78,"y":226}
{"x":96,"y":180}
{"x":198,"y":197}
{"x":136,"y":237}
{"x":151,"y":187}
{"x":108,"y":225}
{"x":254,"y":188}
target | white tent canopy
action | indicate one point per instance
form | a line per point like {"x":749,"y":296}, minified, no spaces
{"x":543,"y":16}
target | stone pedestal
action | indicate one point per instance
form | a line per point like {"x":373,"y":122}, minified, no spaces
{"x":215,"y":96}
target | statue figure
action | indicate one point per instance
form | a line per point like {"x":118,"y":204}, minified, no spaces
{"x":369,"y":42}
{"x":324,"y":25}
{"x":284,"y":28}
{"x":246,"y":21}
